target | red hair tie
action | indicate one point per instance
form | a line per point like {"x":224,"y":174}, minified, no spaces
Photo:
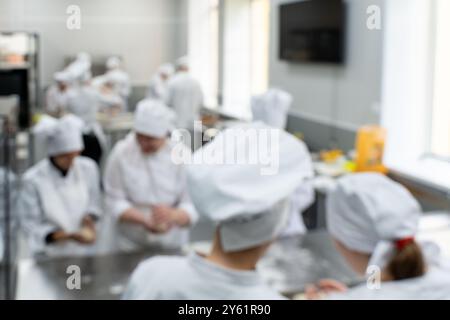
{"x":402,"y":243}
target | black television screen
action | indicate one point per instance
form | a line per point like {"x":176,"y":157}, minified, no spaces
{"x":312,"y":31}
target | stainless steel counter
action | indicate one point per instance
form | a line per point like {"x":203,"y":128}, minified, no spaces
{"x":102,"y":277}
{"x":289,"y":265}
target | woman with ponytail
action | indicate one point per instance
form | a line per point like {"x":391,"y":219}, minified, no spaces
{"x":374,"y":222}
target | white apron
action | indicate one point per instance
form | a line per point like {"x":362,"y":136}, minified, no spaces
{"x":65,"y":202}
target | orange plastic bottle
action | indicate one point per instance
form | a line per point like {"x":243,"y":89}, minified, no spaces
{"x":370,"y":143}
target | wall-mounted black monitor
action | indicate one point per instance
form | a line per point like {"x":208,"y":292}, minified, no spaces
{"x":312,"y":31}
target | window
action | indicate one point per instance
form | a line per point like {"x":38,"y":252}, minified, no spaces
{"x":414,"y":94}
{"x":203,"y":47}
{"x":245,"y":53}
{"x":229,"y":51}
{"x":440,"y":119}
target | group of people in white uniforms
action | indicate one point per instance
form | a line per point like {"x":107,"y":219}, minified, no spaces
{"x":249,"y":211}
{"x":372,"y":219}
{"x":145,"y":190}
{"x":154,"y":201}
{"x":76,"y":92}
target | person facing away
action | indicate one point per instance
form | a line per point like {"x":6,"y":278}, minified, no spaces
{"x":184,"y":96}
{"x":249,"y":210}
{"x":59,"y":203}
{"x":374,"y":222}
{"x":145,"y":189}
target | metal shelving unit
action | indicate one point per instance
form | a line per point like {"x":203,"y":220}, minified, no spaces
{"x":19,"y":72}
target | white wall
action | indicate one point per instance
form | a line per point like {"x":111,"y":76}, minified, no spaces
{"x":347,"y":95}
{"x":144,"y":32}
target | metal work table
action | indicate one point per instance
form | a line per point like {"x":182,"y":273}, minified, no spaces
{"x":289,"y":265}
{"x":102,"y":277}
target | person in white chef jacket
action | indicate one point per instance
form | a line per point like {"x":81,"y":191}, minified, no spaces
{"x":249,"y":209}
{"x":272,"y":108}
{"x":60,"y":200}
{"x":110,"y":101}
{"x":158,"y":87}
{"x":57,"y":95}
{"x":119,"y":79}
{"x":374,"y":222}
{"x":145,"y":189}
{"x":184,"y":96}
{"x":84,"y":102}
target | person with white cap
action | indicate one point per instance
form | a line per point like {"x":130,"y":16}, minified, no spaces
{"x":374,"y":223}
{"x":159,"y":84}
{"x":184,"y":95}
{"x":110,"y":101}
{"x":119,"y":79}
{"x":57,"y":95}
{"x":84,"y":102}
{"x":272,"y":108}
{"x":145,"y":189}
{"x":249,"y":207}
{"x":60,"y":200}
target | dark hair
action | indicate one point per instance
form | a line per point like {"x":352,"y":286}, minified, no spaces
{"x":407,"y":262}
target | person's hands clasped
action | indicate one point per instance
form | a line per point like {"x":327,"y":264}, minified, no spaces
{"x":165,"y":218}
{"x":87,"y":234}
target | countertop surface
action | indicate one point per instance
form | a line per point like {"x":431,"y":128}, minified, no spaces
{"x":289,"y":265}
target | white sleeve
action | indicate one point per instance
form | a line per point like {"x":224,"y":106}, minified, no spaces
{"x":33,"y":220}
{"x":94,"y":206}
{"x":185,"y":201}
{"x":115,"y":194}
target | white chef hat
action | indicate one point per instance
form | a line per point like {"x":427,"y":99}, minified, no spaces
{"x":166,"y":69}
{"x":182,"y":62}
{"x":249,"y":208}
{"x":369,"y":213}
{"x":63,"y":135}
{"x":272,"y":107}
{"x":113,"y":63}
{"x":63,"y":77}
{"x":153,"y":118}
